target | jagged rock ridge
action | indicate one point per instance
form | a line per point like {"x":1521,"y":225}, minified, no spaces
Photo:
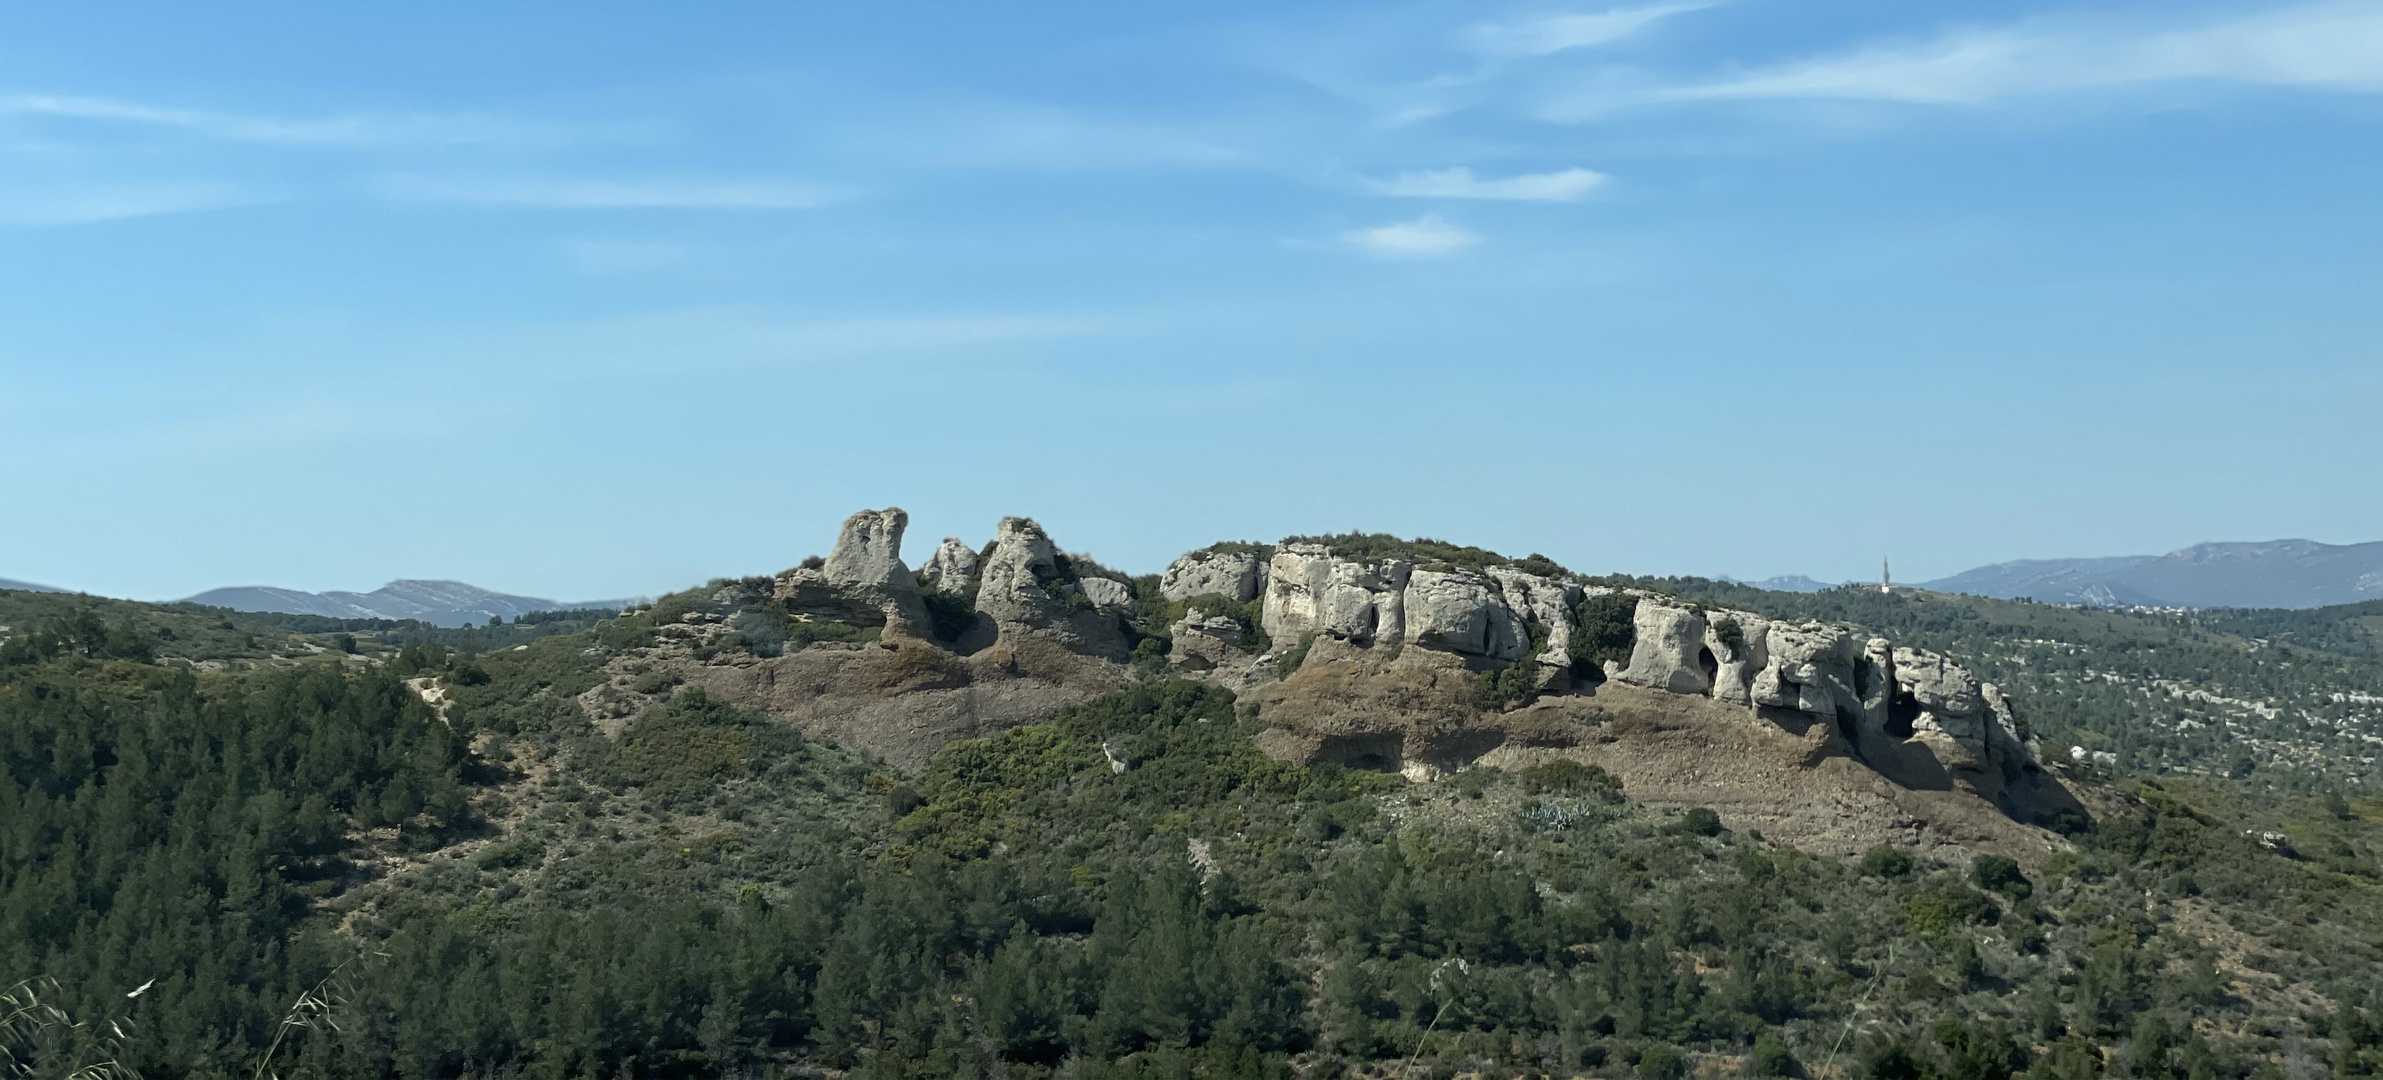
{"x":1418,"y":665}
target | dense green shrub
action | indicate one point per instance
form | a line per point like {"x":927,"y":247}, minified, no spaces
{"x":1607,"y":629}
{"x":1887,"y":862}
{"x":1296,"y":655}
{"x":680,"y":750}
{"x":1996,"y":873}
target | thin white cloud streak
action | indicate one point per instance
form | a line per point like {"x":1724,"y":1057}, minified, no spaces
{"x":344,"y":131}
{"x":2330,"y":46}
{"x":1566,"y":185}
{"x":568,"y":194}
{"x":1572,"y":30}
{"x":83,"y":205}
{"x":1425,"y":237}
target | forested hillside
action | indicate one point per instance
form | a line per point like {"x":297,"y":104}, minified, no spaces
{"x":316,"y":872}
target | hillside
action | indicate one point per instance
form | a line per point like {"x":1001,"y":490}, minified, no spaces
{"x":2272,"y":574}
{"x":1329,"y":807}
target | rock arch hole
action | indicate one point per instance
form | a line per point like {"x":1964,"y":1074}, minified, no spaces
{"x":1902,"y":713}
{"x":1710,"y":666}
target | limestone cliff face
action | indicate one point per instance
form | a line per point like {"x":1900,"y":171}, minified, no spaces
{"x":1487,"y":617}
{"x":1236,"y":575}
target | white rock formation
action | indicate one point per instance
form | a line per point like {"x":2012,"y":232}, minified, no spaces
{"x":949,"y":569}
{"x":863,"y":580}
{"x":1811,"y":671}
{"x":1545,"y":601}
{"x":1205,"y":642}
{"x":869,"y":551}
{"x":1238,"y":576}
{"x":1738,"y":656}
{"x":1108,"y":594}
{"x":1023,"y":559}
{"x":1459,"y":612}
{"x":1021,"y":588}
{"x":1670,"y":651}
{"x":1967,"y":722}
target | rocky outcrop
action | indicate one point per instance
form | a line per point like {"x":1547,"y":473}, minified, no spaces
{"x":1023,"y":590}
{"x":863,"y":581}
{"x":1410,"y":662}
{"x":1670,"y":653}
{"x":1204,"y":643}
{"x":950,"y":569}
{"x":1966,"y":722}
{"x":1485,"y":617}
{"x":1461,"y":612}
{"x":1309,"y":591}
{"x":1108,"y":594}
{"x":1545,"y":603}
{"x":1812,"y":670}
{"x":1237,"y":574}
{"x":869,"y":551}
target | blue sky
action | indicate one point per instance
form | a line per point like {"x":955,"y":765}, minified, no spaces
{"x":592,"y":299}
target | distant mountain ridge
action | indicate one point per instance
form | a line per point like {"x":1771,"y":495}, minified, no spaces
{"x":27,"y":586}
{"x":1782,"y":583}
{"x":440,"y":603}
{"x":2265,"y":574}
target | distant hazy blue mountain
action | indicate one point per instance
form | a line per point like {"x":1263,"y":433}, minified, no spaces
{"x":1784,"y":583}
{"x":440,"y":603}
{"x":27,"y":586}
{"x":2274,"y":573}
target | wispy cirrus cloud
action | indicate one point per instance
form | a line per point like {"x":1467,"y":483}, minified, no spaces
{"x":2335,"y":46}
{"x":564,"y":193}
{"x":1425,"y":237}
{"x":86,"y":203}
{"x":359,"y":130}
{"x":1557,"y":33}
{"x":1564,"y":185}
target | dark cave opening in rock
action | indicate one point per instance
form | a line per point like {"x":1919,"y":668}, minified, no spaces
{"x":1901,"y":714}
{"x":1710,"y":666}
{"x":1849,"y":725}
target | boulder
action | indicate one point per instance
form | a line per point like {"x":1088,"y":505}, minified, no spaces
{"x":1015,"y":574}
{"x":1459,"y":612}
{"x":1205,"y":643}
{"x":1295,"y":580}
{"x":949,"y":569}
{"x":1811,"y":671}
{"x":1236,"y":575}
{"x":1108,"y":594}
{"x":869,"y":551}
{"x":863,"y":580}
{"x":1670,"y":652}
{"x":1021,"y":588}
